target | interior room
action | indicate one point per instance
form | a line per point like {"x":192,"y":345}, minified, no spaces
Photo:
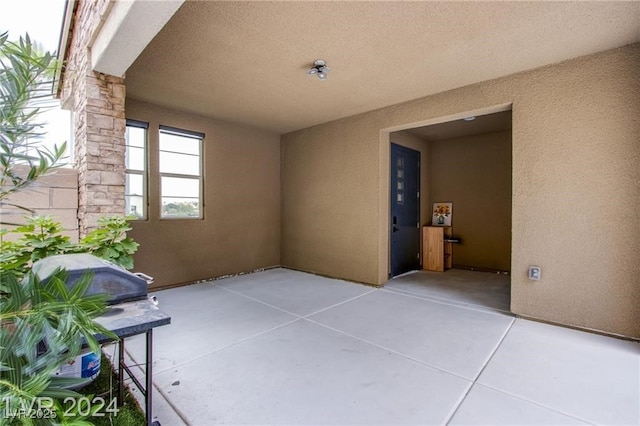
{"x":467,"y":163}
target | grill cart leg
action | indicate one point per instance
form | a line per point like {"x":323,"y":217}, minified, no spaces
{"x":149,"y":380}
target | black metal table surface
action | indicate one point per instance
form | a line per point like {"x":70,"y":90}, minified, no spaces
{"x":127,"y":320}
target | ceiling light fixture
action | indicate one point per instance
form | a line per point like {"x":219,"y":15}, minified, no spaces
{"x":470,"y":118}
{"x":320,"y":69}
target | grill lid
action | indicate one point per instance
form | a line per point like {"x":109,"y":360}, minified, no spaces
{"x":120,"y":284}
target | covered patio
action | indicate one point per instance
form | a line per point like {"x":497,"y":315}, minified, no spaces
{"x":286,"y":347}
{"x":289,"y":173}
{"x":280,"y":169}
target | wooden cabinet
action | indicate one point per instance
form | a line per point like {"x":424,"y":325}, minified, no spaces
{"x":436,"y":248}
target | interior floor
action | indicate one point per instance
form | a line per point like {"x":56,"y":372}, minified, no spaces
{"x":457,"y":286}
{"x":283,"y":347}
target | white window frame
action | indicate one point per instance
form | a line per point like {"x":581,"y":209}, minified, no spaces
{"x":144,"y":173}
{"x":192,"y":135}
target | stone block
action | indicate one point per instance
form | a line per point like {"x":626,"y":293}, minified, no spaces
{"x":102,"y":202}
{"x":73,"y":234}
{"x":113,"y":148}
{"x":64,"y":198}
{"x":94,"y":109}
{"x":6,"y":219}
{"x":97,"y":103}
{"x":61,"y":178}
{"x":92,"y":177}
{"x":91,"y":219}
{"x":114,"y":134}
{"x":112,"y":210}
{"x":101,"y":140}
{"x":118,"y":91}
{"x":93,"y":148}
{"x":112,"y":158}
{"x":33,"y":197}
{"x":119,"y":125}
{"x":116,"y":189}
{"x":96,"y":122}
{"x":67,"y":217}
{"x":119,"y":102}
{"x":112,"y":178}
{"x":113,"y":79}
{"x":97,"y":188}
{"x":87,"y":209}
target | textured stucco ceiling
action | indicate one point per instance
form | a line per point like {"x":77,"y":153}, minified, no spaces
{"x":246,"y":62}
{"x":481,"y":124}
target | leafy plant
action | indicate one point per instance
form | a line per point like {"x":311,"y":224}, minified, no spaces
{"x":26,"y":74}
{"x":43,"y":326}
{"x":42,"y":236}
{"x":43,"y":323}
{"x":109,"y":241}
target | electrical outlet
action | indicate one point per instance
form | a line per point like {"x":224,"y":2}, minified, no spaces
{"x":534,"y":273}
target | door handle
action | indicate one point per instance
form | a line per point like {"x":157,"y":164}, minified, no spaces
{"x":395,"y":228}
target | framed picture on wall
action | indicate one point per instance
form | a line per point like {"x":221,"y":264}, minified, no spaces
{"x":442,"y":214}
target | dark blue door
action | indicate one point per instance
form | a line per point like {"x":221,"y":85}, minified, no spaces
{"x":405,"y":210}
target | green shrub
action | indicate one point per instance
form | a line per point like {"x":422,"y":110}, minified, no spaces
{"x":42,"y":236}
{"x":110,"y":242}
{"x":42,"y":324}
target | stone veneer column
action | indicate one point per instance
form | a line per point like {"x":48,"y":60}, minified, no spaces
{"x":97,"y":101}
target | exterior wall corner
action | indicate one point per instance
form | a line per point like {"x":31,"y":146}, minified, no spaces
{"x":97,"y":101}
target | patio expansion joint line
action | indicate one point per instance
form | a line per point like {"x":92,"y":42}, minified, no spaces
{"x":444,"y":300}
{"x":339,"y":303}
{"x":518,"y":397}
{"x":538,"y":404}
{"x":293,"y":313}
{"x":261,"y":302}
{"x":164,"y":396}
{"x":173,"y":406}
{"x":495,"y":349}
{"x":400,"y":354}
{"x":455,"y":409}
{"x":237,"y":342}
{"x":470,"y":307}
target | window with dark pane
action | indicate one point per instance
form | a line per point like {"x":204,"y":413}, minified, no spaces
{"x":180,"y":173}
{"x":400,"y":192}
{"x":135,"y":192}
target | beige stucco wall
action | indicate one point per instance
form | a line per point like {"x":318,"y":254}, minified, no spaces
{"x":575,"y":184}
{"x":241,"y":227}
{"x":474,"y":173}
{"x":55,"y":195}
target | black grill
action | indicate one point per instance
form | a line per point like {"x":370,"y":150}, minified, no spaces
{"x":120,"y":284}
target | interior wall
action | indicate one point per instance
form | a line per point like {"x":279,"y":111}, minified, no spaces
{"x":240,"y":231}
{"x":575,"y":188}
{"x":474,"y":173}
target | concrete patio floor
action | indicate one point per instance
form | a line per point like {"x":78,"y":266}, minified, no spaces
{"x":285,"y":347}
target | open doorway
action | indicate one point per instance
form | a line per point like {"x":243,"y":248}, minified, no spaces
{"x":467,"y":163}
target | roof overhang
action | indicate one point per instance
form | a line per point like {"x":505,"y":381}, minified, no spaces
{"x":125,"y":31}
{"x":63,"y":44}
